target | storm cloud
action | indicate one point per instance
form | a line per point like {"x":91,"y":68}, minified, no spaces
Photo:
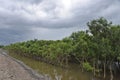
{"x":22,"y":20}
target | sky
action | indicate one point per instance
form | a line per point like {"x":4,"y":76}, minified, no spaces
{"x":22,"y":20}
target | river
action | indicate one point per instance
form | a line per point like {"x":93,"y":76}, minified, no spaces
{"x":73,"y":72}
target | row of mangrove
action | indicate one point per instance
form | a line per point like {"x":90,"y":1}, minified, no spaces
{"x":96,"y":49}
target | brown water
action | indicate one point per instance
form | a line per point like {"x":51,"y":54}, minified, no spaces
{"x":56,"y":73}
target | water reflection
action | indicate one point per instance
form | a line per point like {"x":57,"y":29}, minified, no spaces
{"x":56,"y":73}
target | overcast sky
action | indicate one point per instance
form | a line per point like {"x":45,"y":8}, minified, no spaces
{"x":22,"y":20}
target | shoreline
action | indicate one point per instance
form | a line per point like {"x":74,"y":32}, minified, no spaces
{"x":32,"y":72}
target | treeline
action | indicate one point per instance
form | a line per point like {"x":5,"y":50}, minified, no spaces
{"x":96,"y":49}
{"x":1,"y":46}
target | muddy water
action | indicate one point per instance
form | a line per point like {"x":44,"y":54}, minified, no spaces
{"x":56,"y":73}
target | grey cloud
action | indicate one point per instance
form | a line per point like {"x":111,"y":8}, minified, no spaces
{"x":13,"y":35}
{"x":19,"y":17}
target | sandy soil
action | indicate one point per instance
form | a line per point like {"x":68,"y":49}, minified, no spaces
{"x":12,"y":70}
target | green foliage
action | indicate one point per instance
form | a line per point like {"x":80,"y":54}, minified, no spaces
{"x":1,"y":46}
{"x":87,"y":66}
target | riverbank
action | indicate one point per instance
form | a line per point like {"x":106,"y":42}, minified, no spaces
{"x":12,"y":69}
{"x":51,"y":72}
{"x":73,"y":72}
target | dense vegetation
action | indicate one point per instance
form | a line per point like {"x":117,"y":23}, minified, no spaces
{"x":96,"y":49}
{"x":1,"y":46}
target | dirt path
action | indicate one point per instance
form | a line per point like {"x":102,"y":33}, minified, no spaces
{"x":12,"y":70}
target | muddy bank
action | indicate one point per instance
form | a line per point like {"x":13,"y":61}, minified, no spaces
{"x":12,"y":69}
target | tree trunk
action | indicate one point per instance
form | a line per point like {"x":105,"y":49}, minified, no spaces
{"x":94,"y":69}
{"x":104,"y":70}
{"x":82,"y":69}
{"x":111,"y":73}
{"x":98,"y":68}
{"x":119,"y":65}
{"x":66,"y":61}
